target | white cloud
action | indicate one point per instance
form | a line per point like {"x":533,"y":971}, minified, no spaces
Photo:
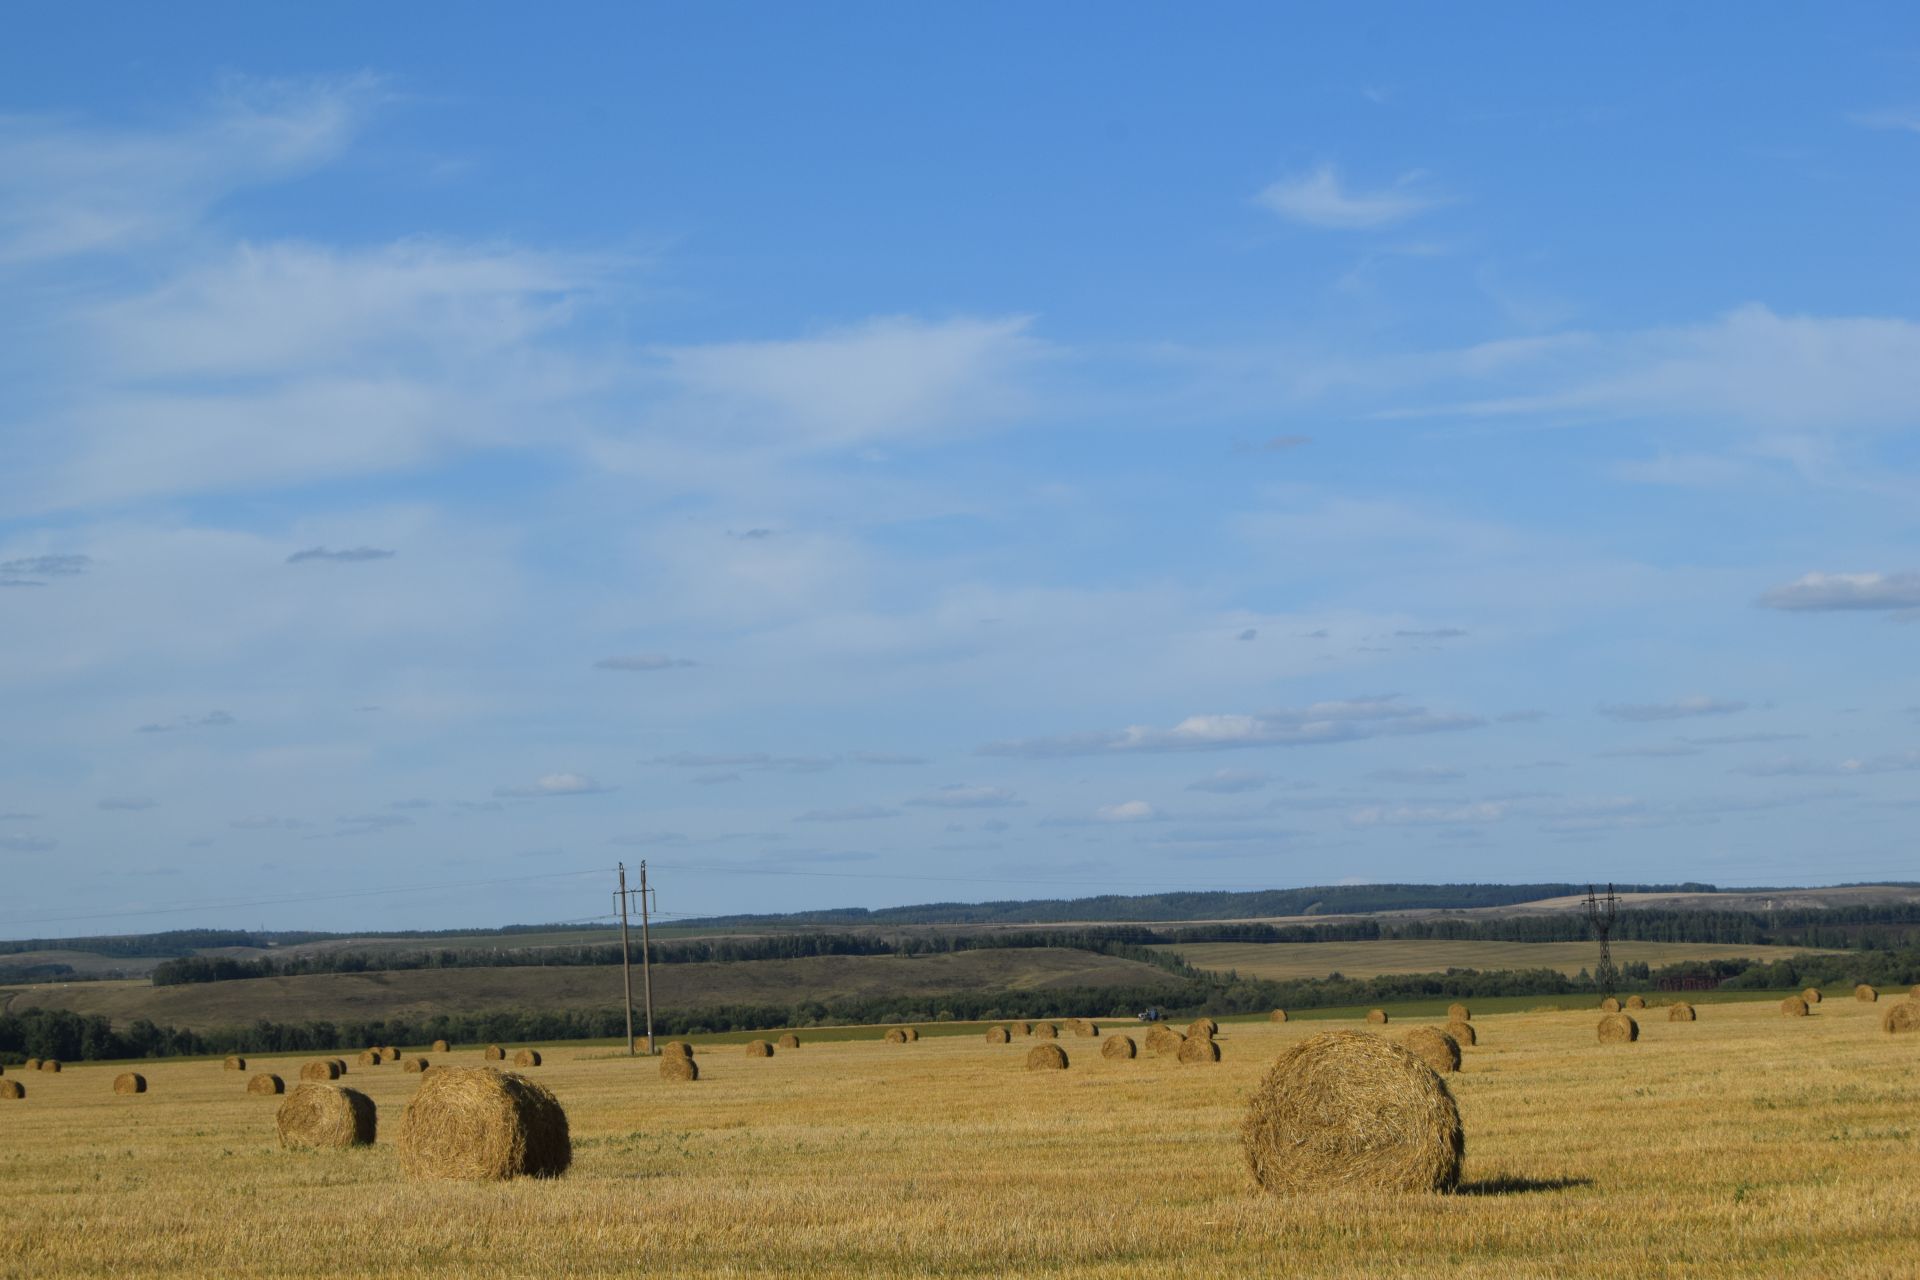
{"x":553,"y":784}
{"x":1816,"y":592}
{"x":1697,"y":704}
{"x":1318,"y":199}
{"x":1126,"y":811}
{"x":1323,"y":722}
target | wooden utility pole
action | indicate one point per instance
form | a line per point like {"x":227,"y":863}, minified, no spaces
{"x":626,"y":962}
{"x":646,"y":964}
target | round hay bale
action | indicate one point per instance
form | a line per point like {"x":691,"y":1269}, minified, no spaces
{"x":1164,"y":1040}
{"x":1046,"y":1057}
{"x":677,"y":1049}
{"x":31,"y":1064}
{"x":1198,"y":1049}
{"x":788,"y":1041}
{"x":759,"y":1049}
{"x":1900,"y":1016}
{"x":414,"y":1066}
{"x":1680,"y":1011}
{"x":1636,"y":1002}
{"x":1811,"y":995}
{"x":494,"y":1053}
{"x":129,"y":1082}
{"x":1618,"y":1028}
{"x":266,"y":1082}
{"x":12,"y":1089}
{"x":1020,"y":1028}
{"x":895,"y":1036}
{"x":913,"y":1033}
{"x":326,"y":1115}
{"x":1435,"y":1047}
{"x":1609,"y":1005}
{"x":527,"y":1058}
{"x":370,"y":1058}
{"x":50,"y":1064}
{"x":675,"y":1067}
{"x":389,"y":1053}
{"x":320,"y":1069}
{"x":1045,"y":1031}
{"x":1459,"y":1013}
{"x":1865,"y":994}
{"x":485,"y":1124}
{"x":1464,"y":1033}
{"x":1206,"y":1028}
{"x":1345,"y":1109}
{"x":339,"y":1064}
{"x":1914,"y":991}
{"x":234,"y":1064}
{"x":441,"y":1046}
{"x":1278,"y":1015}
{"x":1793,"y":1007}
{"x":1119,"y":1047}
{"x":997,"y":1035}
{"x":1086,"y":1030}
{"x":1377,"y":1016}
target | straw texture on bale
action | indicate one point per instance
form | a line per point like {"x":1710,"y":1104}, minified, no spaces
{"x":677,"y":1048}
{"x":1278,"y":1015}
{"x":12,"y":1089}
{"x":788,"y":1041}
{"x":1046,"y":1057}
{"x":235,"y":1064}
{"x":482,"y":1124}
{"x":414,"y":1066}
{"x":1203,"y":1027}
{"x":266,"y":1082}
{"x":50,"y":1064}
{"x":31,"y":1064}
{"x":371,"y":1058}
{"x":1377,"y":1016}
{"x":1349,"y":1110}
{"x":759,"y":1049}
{"x":1436,"y":1048}
{"x":1459,"y":1013}
{"x":390,"y":1053}
{"x":1020,"y":1028}
{"x":1811,"y":995}
{"x":896,"y":1036}
{"x":1045,"y":1031}
{"x":320,"y":1069}
{"x":1198,"y":1049}
{"x":913,"y":1033}
{"x":1865,"y":994}
{"x":1464,"y":1033}
{"x":1900,"y":1016}
{"x":527,"y":1058}
{"x":1636,"y":1002}
{"x":1914,"y":991}
{"x":1165,"y":1040}
{"x":1680,"y":1011}
{"x":1609,"y":1005}
{"x":1793,"y":1007}
{"x":326,"y":1115}
{"x":997,"y":1035}
{"x":1618,"y":1028}
{"x":494,"y":1053}
{"x":129,"y":1082}
{"x":675,"y":1067}
{"x":1119,"y":1047}
{"x":441,"y":1046}
{"x":1085,"y":1030}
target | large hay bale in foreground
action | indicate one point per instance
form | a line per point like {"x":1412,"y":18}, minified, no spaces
{"x":1811,"y":995}
{"x":1457,"y":1012}
{"x":50,"y":1064}
{"x":1046,"y":1057}
{"x":1378,"y":1017}
{"x":1348,"y":1110}
{"x":234,"y":1064}
{"x":266,"y":1082}
{"x":896,"y":1036}
{"x":1164,"y":1040}
{"x":326,"y":1115}
{"x":1435,"y":1047}
{"x":1609,"y":1005}
{"x":414,"y":1066}
{"x":527,"y":1058}
{"x":129,"y":1082}
{"x":12,"y":1089}
{"x":675,"y":1067}
{"x":494,"y":1053}
{"x":1793,"y":1007}
{"x":1119,"y":1048}
{"x":1865,"y":994}
{"x":1900,"y":1016}
{"x":441,"y":1046}
{"x":1618,"y":1028}
{"x":1045,"y":1031}
{"x":1278,"y":1015}
{"x":485,"y":1124}
{"x":759,"y":1049}
{"x":1636,"y":1002}
{"x":677,"y":1049}
{"x":788,"y":1041}
{"x":1206,"y":1028}
{"x":320,"y":1069}
{"x":1464,"y":1033}
{"x":1198,"y":1049}
{"x":997,"y":1035}
{"x":1680,"y":1011}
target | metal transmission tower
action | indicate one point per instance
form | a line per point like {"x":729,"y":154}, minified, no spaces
{"x":1601,"y":913}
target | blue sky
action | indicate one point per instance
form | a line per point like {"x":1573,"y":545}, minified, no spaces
{"x":857,"y":456}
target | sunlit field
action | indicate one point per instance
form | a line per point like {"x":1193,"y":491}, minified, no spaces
{"x":1743,"y":1144}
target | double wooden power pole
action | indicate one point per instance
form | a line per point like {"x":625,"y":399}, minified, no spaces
{"x":646,"y":953}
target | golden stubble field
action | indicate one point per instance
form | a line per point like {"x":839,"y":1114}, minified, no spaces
{"x":1744,"y":1144}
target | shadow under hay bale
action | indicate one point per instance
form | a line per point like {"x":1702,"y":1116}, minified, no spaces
{"x":129,"y":1082}
{"x":1198,"y":1049}
{"x":1900,"y":1016}
{"x":477,"y":1123}
{"x":339,"y":1064}
{"x":759,"y":1049}
{"x":441,"y":1046}
{"x":1793,"y":1007}
{"x":1206,"y":1028}
{"x":1636,"y":1002}
{"x":1811,"y":995}
{"x":1618,"y":1028}
{"x":1045,"y":1031}
{"x":527,"y":1058}
{"x":12,"y":1088}
{"x":234,"y":1064}
{"x":1464,"y":1033}
{"x":414,"y":1066}
{"x":675,"y":1067}
{"x":266,"y":1082}
{"x":1119,"y":1048}
{"x":1378,"y":1017}
{"x":494,"y":1053}
{"x":1681,"y":1011}
{"x":1436,"y":1048}
{"x":1164,"y":1040}
{"x":1348,"y":1110}
{"x":320,"y":1069}
{"x":1046,"y":1057}
{"x":1865,"y":994}
{"x":1609,"y":1005}
{"x":1278,"y":1015}
{"x":326,"y":1115}
{"x":896,"y":1036}
{"x":997,"y":1035}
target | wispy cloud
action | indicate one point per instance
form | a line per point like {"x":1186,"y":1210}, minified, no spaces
{"x":850,"y":813}
{"x":27,"y":844}
{"x":1867,"y":592}
{"x":964,"y":796}
{"x":643,"y":662}
{"x":1679,"y":709}
{"x":1318,"y":198}
{"x":349,"y":555}
{"x":211,"y":720}
{"x":1321,"y":723}
{"x":1900,"y":762}
{"x":885,"y":758}
{"x":553,"y":784}
{"x":127,"y":804}
{"x":1126,"y":811}
{"x":1427,"y":815}
{"x":46,"y":566}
